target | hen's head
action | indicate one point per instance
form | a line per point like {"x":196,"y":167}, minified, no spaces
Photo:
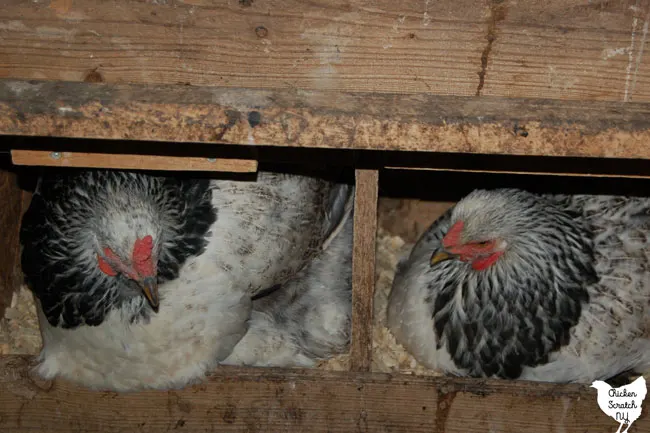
{"x":94,"y":241}
{"x":483,"y":225}
{"x":126,"y":237}
{"x":507,"y":226}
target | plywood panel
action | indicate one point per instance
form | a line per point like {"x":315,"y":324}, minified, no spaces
{"x":562,"y":49}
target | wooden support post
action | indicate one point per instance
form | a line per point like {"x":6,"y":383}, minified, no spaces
{"x":10,"y":212}
{"x":363,"y":268}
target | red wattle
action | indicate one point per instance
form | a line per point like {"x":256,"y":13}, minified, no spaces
{"x":485,"y":262}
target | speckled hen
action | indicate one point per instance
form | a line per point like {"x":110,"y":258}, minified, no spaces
{"x":514,"y":285}
{"x":147,"y":282}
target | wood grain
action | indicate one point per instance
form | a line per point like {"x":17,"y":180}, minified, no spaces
{"x":530,"y":173}
{"x":319,"y":119}
{"x":363,"y":268}
{"x":271,"y":400}
{"x":10,"y":214}
{"x":130,"y":162}
{"x":561,"y":49}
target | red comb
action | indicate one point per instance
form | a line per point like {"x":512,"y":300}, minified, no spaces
{"x":452,"y":238}
{"x":142,"y":256}
{"x":142,"y":249}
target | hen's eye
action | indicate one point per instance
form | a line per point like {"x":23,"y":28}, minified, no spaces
{"x":482,"y":244}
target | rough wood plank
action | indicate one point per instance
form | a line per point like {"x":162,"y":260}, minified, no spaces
{"x":270,"y":400}
{"x":530,"y":173}
{"x":363,"y":268}
{"x":326,"y":119}
{"x":130,"y":162}
{"x":10,"y":214}
{"x":564,"y":49}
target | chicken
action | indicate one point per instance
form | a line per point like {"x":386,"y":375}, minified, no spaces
{"x":623,"y":404}
{"x":306,"y":319}
{"x":147,"y":282}
{"x":514,"y":285}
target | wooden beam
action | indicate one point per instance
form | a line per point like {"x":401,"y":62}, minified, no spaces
{"x":326,"y":119}
{"x":10,"y":214}
{"x":363,"y":268}
{"x":270,"y":400}
{"x":564,"y":49}
{"x":130,"y":162}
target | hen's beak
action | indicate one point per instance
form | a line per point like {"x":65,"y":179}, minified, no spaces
{"x":441,"y":256}
{"x":150,"y":289}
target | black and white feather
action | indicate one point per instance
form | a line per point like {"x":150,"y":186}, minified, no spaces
{"x":566,"y":298}
{"x":216,"y":244}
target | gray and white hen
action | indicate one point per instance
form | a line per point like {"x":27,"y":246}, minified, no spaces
{"x":147,"y":281}
{"x":514,"y":285}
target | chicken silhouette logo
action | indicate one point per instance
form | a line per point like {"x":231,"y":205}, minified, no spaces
{"x":624,"y":403}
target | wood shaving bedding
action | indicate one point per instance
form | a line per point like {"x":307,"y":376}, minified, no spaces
{"x":19,"y":331}
{"x":387,"y":355}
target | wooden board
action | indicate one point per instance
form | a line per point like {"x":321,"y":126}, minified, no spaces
{"x":270,"y":400}
{"x":10,"y":214}
{"x":322,"y":119}
{"x":561,"y":49}
{"x":130,"y":162}
{"x":529,"y":173}
{"x":363,"y":268}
